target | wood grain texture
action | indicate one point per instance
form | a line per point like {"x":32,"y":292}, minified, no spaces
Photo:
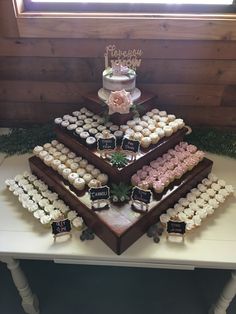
{"x":8,"y":24}
{"x":137,"y":27}
{"x":62,"y":92}
{"x":94,"y":48}
{"x":229,"y":96}
{"x":174,"y":71}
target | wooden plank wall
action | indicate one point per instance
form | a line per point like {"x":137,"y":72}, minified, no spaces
{"x":44,"y":78}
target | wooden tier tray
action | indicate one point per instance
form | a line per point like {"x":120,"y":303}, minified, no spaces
{"x":120,"y":227}
{"x":145,"y":103}
{"x":144,"y":157}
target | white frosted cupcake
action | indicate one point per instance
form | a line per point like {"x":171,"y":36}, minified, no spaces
{"x":197,"y":220}
{"x":72,"y":177}
{"x":164,"y":218}
{"x":87,"y":177}
{"x":60,"y":168}
{"x":60,"y":146}
{"x":74,"y":166}
{"x":66,"y":172}
{"x":95,"y":172}
{"x":55,"y":164}
{"x":54,"y":143}
{"x":78,"y":223}
{"x":212,"y":177}
{"x":171,"y":212}
{"x":103,"y":178}
{"x":37,"y":150}
{"x":72,"y":214}
{"x":83,"y":163}
{"x":146,"y":142}
{"x":79,"y":184}
{"x":48,"y":159}
{"x":216,"y":187}
{"x":202,"y":213}
{"x":229,"y":189}
{"x":81,"y":172}
{"x":214,"y":203}
{"x":89,"y":168}
{"x":160,"y":132}
{"x":168,"y":131}
{"x":182,"y":216}
{"x":69,"y":162}
{"x":39,"y":213}
{"x":209,"y":209}
{"x":42,"y":154}
{"x":201,"y":187}
{"x":190,"y":224}
{"x":45,"y":220}
{"x":154,"y":138}
{"x":56,"y":214}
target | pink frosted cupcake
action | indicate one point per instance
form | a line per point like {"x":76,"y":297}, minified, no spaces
{"x":191,"y":148}
{"x":158,"y":186}
{"x":135,"y":179}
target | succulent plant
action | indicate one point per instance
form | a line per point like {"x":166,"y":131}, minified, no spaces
{"x":119,"y":159}
{"x":120,"y":192}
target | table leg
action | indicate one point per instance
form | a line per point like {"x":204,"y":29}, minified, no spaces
{"x":226,"y":296}
{"x":30,"y":302}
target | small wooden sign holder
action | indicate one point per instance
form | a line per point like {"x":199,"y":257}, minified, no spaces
{"x":138,"y":204}
{"x":176,"y":228}
{"x":132,"y":153}
{"x":61,"y":227}
{"x":104,"y":153}
{"x":96,"y":203}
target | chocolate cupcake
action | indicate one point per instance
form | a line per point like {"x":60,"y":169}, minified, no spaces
{"x":91,"y":142}
{"x":93,"y":131}
{"x":83,"y":136}
{"x":80,"y":122}
{"x":113,"y":128}
{"x":119,"y":136}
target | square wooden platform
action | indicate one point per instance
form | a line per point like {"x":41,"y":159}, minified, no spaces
{"x":119,"y":227}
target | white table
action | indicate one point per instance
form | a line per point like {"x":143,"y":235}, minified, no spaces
{"x":210,"y":246}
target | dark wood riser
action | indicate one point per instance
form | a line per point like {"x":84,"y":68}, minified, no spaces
{"x":119,"y":239}
{"x":124,"y":174}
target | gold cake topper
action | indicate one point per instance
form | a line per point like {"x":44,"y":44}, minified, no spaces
{"x":127,"y":58}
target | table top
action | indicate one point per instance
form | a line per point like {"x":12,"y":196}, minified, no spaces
{"x":210,"y":246}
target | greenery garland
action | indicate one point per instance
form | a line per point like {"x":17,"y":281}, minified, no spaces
{"x":23,"y":140}
{"x":221,"y":142}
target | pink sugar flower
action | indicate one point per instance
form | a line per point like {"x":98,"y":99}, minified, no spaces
{"x":119,"y":101}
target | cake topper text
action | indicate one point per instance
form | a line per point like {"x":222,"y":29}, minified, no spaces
{"x":130,"y":58}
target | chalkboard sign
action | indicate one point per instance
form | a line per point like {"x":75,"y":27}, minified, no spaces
{"x":130,"y":145}
{"x":106,"y":143}
{"x":101,"y":193}
{"x":140,"y":195}
{"x":62,"y":226}
{"x":178,"y":227}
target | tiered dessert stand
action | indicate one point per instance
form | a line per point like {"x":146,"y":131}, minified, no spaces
{"x":119,"y":227}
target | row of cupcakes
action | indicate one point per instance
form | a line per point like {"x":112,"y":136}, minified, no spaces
{"x":45,"y":205}
{"x":165,"y":169}
{"x":152,"y":127}
{"x":148,"y":129}
{"x":72,"y":167}
{"x":87,"y":126}
{"x":199,"y":203}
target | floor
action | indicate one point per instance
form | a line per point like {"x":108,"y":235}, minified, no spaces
{"x":80,"y":289}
